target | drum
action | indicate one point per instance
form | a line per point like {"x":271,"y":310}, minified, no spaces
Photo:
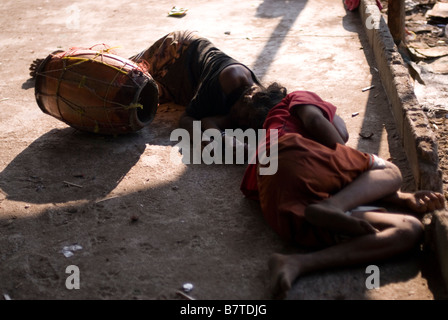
{"x":96,"y":91}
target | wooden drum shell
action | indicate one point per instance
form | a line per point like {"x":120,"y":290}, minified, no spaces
{"x":96,"y":91}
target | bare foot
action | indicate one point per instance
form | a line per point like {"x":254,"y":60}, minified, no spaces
{"x":420,"y":201}
{"x":329,"y":217}
{"x":426,"y":201}
{"x":284,"y":270}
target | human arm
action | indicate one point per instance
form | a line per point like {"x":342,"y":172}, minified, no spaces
{"x":318,"y":126}
{"x":215,"y":122}
{"x":186,"y":122}
{"x":340,"y":126}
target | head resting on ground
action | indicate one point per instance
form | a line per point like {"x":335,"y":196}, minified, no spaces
{"x":252,"y":107}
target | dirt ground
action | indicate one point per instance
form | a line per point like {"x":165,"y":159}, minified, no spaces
{"x":142,"y":225}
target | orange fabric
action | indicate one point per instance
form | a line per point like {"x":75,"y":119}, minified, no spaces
{"x":307,"y":173}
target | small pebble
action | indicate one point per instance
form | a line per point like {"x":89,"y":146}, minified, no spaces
{"x":187,"y":287}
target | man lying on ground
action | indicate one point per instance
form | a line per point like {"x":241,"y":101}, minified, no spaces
{"x":215,"y":88}
{"x":313,"y":198}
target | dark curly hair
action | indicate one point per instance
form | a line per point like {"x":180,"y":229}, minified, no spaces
{"x":262,"y":101}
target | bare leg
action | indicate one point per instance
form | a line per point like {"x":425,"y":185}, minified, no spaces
{"x":376,"y":236}
{"x":399,"y":233}
{"x":370,"y":186}
{"x":384,"y":184}
{"x":329,"y":217}
{"x":329,"y":213}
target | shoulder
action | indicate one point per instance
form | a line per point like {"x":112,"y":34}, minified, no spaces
{"x":235,"y":76}
{"x":311,"y":98}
